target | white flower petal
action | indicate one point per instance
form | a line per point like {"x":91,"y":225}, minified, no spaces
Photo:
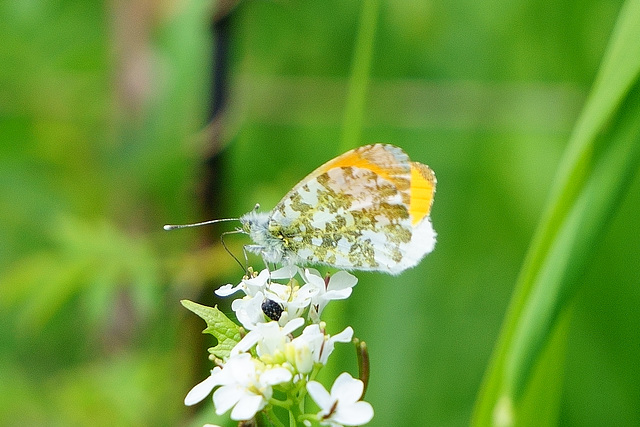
{"x":247,"y":407}
{"x":303,"y":296}
{"x":256,"y":284}
{"x":240,"y":370}
{"x":355,"y":414}
{"x":246,"y":342}
{"x":312,"y":331}
{"x":227,"y":396}
{"x":278,"y":292}
{"x":284,"y":318}
{"x":308,"y":273}
{"x":272,"y":338}
{"x":347,"y":389}
{"x":311,"y":276}
{"x":337,"y":294}
{"x":344,"y":336}
{"x":285,"y":272}
{"x":320,"y":395}
{"x":259,"y":280}
{"x":276,"y":376}
{"x":200,"y":391}
{"x":342,"y":280}
{"x":249,"y":310}
{"x":292,"y":325}
{"x":226,"y":290}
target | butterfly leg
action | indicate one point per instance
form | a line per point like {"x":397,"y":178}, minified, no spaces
{"x":226,"y":248}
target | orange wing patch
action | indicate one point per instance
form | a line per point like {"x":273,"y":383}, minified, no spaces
{"x":379,"y":159}
{"x":423,"y":186}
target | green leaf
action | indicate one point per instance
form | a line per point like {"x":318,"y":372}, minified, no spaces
{"x":601,"y":159}
{"x":220,"y":326}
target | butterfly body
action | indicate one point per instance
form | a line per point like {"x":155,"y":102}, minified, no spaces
{"x":367,"y":209}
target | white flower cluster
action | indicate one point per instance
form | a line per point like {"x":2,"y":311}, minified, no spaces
{"x":271,"y":358}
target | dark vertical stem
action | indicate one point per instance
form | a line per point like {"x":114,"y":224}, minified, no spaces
{"x":210,"y":184}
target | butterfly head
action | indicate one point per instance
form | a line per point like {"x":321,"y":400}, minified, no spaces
{"x":268,"y":242}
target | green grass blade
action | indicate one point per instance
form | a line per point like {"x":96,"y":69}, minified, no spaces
{"x":359,"y":78}
{"x":602,"y":157}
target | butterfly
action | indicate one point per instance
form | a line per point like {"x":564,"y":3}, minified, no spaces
{"x":367,"y":209}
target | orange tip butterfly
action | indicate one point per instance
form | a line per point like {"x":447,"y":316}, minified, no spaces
{"x":367,"y":209}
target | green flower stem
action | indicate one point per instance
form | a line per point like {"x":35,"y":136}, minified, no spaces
{"x":281,"y":403}
{"x":273,"y":419}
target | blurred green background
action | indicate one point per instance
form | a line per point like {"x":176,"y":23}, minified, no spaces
{"x":105,"y":136}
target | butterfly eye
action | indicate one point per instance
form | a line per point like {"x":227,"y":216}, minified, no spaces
{"x":272,"y":309}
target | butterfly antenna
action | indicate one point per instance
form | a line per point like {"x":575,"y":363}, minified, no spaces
{"x":169,"y":227}
{"x":243,"y":267}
